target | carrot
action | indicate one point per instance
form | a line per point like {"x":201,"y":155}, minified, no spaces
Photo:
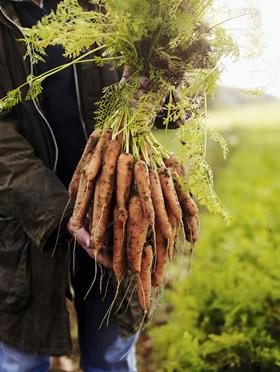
{"x":137,"y":229}
{"x":157,"y":275}
{"x":96,"y":212}
{"x":169,"y":193}
{"x":82,"y":203}
{"x":192,"y":227}
{"x":119,"y":259}
{"x":172,"y":242}
{"x":141,"y":172}
{"x":95,"y":162}
{"x":159,"y":206}
{"x":173,"y":162}
{"x":186,"y":201}
{"x":144,"y":279}
{"x":105,"y":192}
{"x":124,"y":179}
{"x":74,"y":184}
{"x":98,"y":230}
{"x":91,"y":143}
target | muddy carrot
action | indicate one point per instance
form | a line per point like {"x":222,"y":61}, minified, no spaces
{"x":172,"y":242}
{"x":95,"y":162}
{"x":169,"y":193}
{"x":161,"y":257}
{"x":141,"y":172}
{"x":82,"y":203}
{"x":87,"y":154}
{"x":186,"y":201}
{"x":125,"y":167}
{"x":119,"y":258}
{"x":104,"y":196}
{"x":137,"y":229}
{"x":159,"y":206}
{"x":192,"y":227}
{"x":144,"y":278}
{"x":174,"y":163}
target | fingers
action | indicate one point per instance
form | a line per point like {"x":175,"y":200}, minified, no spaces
{"x":101,"y":257}
{"x":83,"y":239}
{"x":144,"y":82}
{"x":104,"y":259}
{"x":140,"y":92}
{"x":126,"y":73}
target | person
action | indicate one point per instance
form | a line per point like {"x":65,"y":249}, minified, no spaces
{"x":41,"y":142}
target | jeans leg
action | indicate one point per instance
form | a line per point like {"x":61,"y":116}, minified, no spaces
{"x":101,"y":349}
{"x":14,"y":360}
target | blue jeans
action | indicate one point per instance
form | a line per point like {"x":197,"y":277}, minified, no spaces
{"x":14,"y":360}
{"x":100,"y":349}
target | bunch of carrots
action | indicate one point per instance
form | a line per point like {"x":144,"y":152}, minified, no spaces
{"x":131,"y":192}
{"x":136,"y":208}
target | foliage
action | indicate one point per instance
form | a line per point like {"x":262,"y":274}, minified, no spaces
{"x":226,"y":315}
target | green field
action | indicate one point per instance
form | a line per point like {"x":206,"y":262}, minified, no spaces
{"x":250,"y":116}
{"x":226,"y":315}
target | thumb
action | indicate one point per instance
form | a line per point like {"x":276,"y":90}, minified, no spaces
{"x":83,"y":237}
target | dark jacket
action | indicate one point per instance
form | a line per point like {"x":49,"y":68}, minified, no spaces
{"x":33,"y":313}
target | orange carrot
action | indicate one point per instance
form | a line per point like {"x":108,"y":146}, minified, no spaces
{"x":87,"y":153}
{"x":95,"y":162}
{"x":119,"y":258}
{"x":96,"y":212}
{"x":104,"y":196}
{"x":99,"y":230}
{"x":173,"y":162}
{"x":172,"y":242}
{"x":192,"y":227}
{"x":141,"y":172}
{"x":124,"y":179}
{"x":159,"y":206}
{"x":82,"y":203}
{"x":157,"y":275}
{"x":91,"y":143}
{"x":137,"y":229}
{"x":169,"y":193}
{"x":144,"y":279}
{"x":186,"y":201}
{"x":74,"y":184}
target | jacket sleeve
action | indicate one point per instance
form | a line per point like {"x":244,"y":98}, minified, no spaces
{"x":29,"y":191}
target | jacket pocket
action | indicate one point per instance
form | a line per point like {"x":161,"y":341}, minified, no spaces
{"x":15,"y":277}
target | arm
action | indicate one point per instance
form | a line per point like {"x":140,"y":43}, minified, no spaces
{"x":29,"y":191}
{"x":33,"y":194}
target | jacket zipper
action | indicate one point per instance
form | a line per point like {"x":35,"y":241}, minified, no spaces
{"x":34,"y":101}
{"x":79,"y":101}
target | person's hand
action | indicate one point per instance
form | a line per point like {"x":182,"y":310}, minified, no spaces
{"x":83,"y":238}
{"x":144,"y":83}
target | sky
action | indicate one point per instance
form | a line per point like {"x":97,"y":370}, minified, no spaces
{"x":263,"y":72}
